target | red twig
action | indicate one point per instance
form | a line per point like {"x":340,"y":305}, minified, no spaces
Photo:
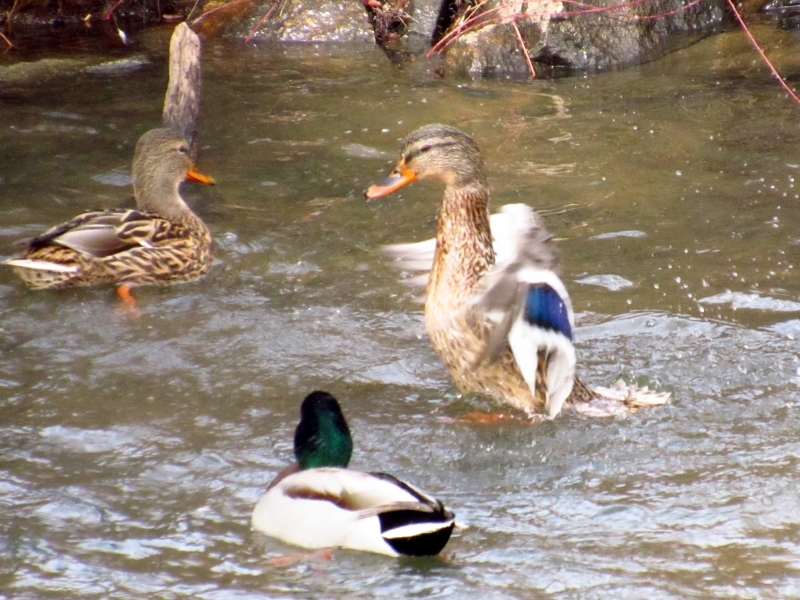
{"x":761,"y":52}
{"x":261,"y":21}
{"x":213,"y":11}
{"x":524,"y":49}
{"x":6,"y":40}
{"x":473,"y":22}
{"x":110,"y":12}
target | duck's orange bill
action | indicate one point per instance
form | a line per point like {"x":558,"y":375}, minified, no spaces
{"x":193,"y":175}
{"x":392,"y":183}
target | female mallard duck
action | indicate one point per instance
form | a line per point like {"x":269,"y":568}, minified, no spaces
{"x":319,"y":503}
{"x":497,"y":313}
{"x":159,"y":243}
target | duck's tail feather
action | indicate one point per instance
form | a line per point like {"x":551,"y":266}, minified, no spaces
{"x":418,"y":533}
{"x":41,"y":265}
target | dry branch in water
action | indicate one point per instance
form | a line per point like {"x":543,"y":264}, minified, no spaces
{"x":182,"y":100}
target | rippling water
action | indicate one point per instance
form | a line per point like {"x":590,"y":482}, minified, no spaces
{"x":133,"y":451}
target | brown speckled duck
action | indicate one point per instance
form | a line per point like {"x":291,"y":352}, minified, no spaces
{"x":159,"y":243}
{"x":496,"y":309}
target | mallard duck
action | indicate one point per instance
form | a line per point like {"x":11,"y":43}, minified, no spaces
{"x":496,"y":309}
{"x":160,"y":242}
{"x":319,"y":503}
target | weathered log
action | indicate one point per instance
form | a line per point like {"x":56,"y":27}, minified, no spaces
{"x":182,"y":100}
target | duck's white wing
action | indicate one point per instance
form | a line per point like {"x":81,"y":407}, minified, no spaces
{"x":414,"y":257}
{"x":507,"y":226}
{"x":523,"y":294}
{"x":529,"y":303}
{"x":330,"y":507}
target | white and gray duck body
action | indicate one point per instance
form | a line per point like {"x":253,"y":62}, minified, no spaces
{"x":319,"y":503}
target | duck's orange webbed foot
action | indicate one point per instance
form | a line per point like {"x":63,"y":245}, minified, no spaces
{"x":324,"y":554}
{"x":129,"y":307}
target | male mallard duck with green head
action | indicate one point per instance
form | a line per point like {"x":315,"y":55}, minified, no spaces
{"x":319,"y":503}
{"x":160,"y":242}
{"x":496,"y":309}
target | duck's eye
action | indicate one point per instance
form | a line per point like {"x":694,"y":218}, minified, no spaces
{"x":183,"y":149}
{"x":424,"y":148}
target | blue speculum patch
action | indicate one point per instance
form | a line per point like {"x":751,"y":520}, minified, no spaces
{"x":546,"y":309}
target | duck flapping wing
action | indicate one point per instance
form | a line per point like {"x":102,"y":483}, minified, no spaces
{"x":505,"y":227}
{"x":529,"y":308}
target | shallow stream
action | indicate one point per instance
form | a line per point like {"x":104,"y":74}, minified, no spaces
{"x":132,"y":451}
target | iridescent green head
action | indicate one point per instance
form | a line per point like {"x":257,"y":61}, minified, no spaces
{"x":322,"y":438}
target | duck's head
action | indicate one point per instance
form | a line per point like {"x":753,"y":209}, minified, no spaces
{"x":322,"y":438}
{"x":434,"y":151}
{"x":160,"y":163}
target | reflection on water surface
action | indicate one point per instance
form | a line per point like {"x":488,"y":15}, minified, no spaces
{"x":134,"y":450}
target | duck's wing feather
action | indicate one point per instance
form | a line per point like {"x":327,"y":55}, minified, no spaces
{"x":420,"y":527}
{"x":86,"y":219}
{"x":523,"y":296}
{"x":94,"y":239}
{"x":99,"y":234}
{"x":507,"y":225}
{"x":423,"y":501}
{"x":415,"y":257}
{"x":528,"y":303}
{"x":365,"y":493}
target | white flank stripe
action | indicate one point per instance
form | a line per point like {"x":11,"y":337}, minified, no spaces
{"x":41,"y":265}
{"x":409,"y":531}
